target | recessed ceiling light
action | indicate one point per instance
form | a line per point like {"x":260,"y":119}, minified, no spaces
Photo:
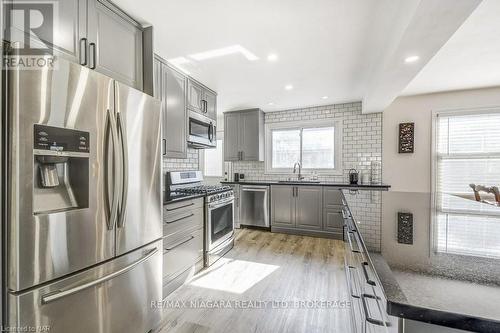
{"x":272,"y":57}
{"x":324,"y":97}
{"x":288,"y":87}
{"x":411,"y":59}
{"x":270,"y":103}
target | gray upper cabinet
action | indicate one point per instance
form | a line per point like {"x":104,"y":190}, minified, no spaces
{"x":309,"y":208}
{"x":115,"y":43}
{"x":283,"y":205}
{"x":66,"y":39}
{"x":201,"y":99}
{"x":93,"y":33}
{"x":210,"y":99}
{"x":195,"y":97}
{"x":174,"y":99}
{"x":244,"y":135}
{"x":231,"y":136}
{"x":170,"y":87}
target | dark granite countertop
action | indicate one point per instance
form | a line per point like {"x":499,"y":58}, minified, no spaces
{"x":382,"y":187}
{"x":450,"y":274}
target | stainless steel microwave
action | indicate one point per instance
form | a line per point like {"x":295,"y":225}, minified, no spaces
{"x":201,"y":131}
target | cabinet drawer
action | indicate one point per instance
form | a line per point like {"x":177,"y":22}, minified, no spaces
{"x":332,"y":197}
{"x":182,"y":222}
{"x":181,"y":207}
{"x":181,"y":253}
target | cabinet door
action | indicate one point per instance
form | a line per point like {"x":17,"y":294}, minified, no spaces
{"x":249,"y":135}
{"x":231,"y":136}
{"x":65,"y":38}
{"x":309,"y":209}
{"x":117,"y":43}
{"x":282,"y":206}
{"x":333,"y":221}
{"x":210,"y":99}
{"x":157,"y":78}
{"x":174,"y":101}
{"x":195,"y":97}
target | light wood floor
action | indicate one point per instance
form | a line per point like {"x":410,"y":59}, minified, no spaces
{"x":263,"y":266}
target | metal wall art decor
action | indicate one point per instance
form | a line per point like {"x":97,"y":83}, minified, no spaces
{"x":406,"y":138}
{"x":405,"y":228}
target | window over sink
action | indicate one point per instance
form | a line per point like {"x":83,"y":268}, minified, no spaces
{"x":316,"y":145}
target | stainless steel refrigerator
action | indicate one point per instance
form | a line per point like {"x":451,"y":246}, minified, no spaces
{"x":83,"y":202}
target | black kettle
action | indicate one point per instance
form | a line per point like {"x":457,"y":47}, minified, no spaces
{"x":353,"y":176}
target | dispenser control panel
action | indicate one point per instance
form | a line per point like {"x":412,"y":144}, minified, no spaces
{"x":61,"y":139}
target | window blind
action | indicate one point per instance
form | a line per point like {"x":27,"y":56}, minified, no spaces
{"x":467,"y":152}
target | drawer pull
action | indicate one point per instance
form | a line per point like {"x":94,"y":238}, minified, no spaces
{"x":367,"y":312}
{"x":171,"y":247}
{"x":180,"y":219}
{"x":349,"y":233}
{"x":180,"y":207}
{"x":353,"y":286}
{"x":365,"y":272}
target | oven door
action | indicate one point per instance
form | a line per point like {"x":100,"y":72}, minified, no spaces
{"x":220,"y":226}
{"x":201,"y":131}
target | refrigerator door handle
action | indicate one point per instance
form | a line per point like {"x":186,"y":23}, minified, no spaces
{"x":113,"y":211}
{"x":124,"y":147}
{"x":63,"y":293}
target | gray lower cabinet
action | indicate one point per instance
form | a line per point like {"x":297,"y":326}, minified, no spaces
{"x":182,"y":242}
{"x":283,"y":206}
{"x":170,"y":87}
{"x":307,"y":210}
{"x":93,"y":33}
{"x":244,"y":135}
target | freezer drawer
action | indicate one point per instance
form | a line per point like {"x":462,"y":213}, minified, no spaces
{"x":181,"y":253}
{"x":114,"y":297}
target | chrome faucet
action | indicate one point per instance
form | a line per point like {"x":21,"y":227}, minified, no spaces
{"x":300,"y":177}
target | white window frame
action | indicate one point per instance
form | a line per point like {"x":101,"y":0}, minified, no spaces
{"x":335,"y":123}
{"x":435,"y":206}
{"x":219,"y":136}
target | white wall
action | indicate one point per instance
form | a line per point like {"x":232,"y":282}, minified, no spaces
{"x":412,"y":172}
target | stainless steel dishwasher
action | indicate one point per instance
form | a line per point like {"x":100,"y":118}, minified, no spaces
{"x":254,"y":206}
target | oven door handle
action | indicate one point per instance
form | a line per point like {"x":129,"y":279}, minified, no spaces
{"x":221,"y":204}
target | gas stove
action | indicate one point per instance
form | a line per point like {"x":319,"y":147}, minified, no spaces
{"x":185,"y":184}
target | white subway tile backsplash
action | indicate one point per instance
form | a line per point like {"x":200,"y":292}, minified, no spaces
{"x":362,"y":150}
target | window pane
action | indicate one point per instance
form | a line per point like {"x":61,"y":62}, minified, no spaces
{"x":318,"y":148}
{"x":455,"y":175}
{"x":286,"y":148}
{"x":213,"y":161}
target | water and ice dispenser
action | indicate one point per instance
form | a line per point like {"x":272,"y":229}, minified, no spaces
{"x":60,"y":169}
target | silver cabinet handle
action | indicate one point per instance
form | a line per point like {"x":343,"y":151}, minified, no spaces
{"x":113,"y":210}
{"x":92,"y":47}
{"x":180,"y":207}
{"x":180,"y":219}
{"x":63,"y":293}
{"x":124,"y":147}
{"x":365,"y":273}
{"x":367,"y":312}
{"x":349,"y":240}
{"x":179,"y":243}
{"x":350,"y":279}
{"x":84,"y":41}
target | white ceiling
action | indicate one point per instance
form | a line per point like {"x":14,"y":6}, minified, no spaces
{"x":470,"y":59}
{"x":348,"y":50}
